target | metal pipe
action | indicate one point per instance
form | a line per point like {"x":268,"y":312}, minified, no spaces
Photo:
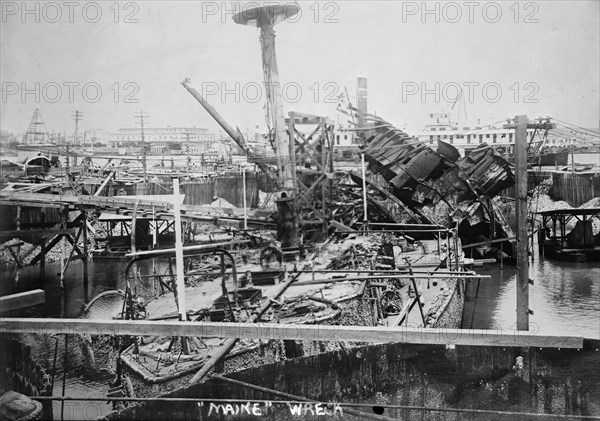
{"x":437,"y":272}
{"x":407,"y":230}
{"x":202,"y":247}
{"x":394,"y":224}
{"x":369,"y":271}
{"x":363,"y":278}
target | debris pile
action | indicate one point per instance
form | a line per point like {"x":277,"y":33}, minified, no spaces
{"x":436,"y":186}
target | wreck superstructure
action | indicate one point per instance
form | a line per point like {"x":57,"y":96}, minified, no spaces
{"x":437,"y":185}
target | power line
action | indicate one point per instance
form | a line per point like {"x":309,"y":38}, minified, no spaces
{"x":579,"y":127}
{"x":571,"y":130}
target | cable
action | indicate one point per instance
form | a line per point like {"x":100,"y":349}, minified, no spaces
{"x":579,"y":127}
{"x":572,"y":130}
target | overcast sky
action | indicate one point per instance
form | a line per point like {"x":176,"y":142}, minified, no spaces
{"x":545,"y":63}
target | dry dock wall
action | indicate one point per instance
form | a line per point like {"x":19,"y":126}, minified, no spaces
{"x":22,"y":374}
{"x":197,"y":192}
{"x":487,"y":378}
{"x":575,"y":188}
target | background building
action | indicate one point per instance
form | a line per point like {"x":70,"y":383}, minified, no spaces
{"x":193,"y":140}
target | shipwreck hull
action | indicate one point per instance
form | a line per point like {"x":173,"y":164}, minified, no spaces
{"x":549,"y":381}
{"x":354,"y":310}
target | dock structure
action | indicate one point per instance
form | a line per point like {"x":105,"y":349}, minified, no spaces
{"x":557,"y":241}
{"x":46,"y":220}
{"x":45,"y":223}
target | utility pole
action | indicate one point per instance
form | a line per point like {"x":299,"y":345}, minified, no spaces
{"x":187,"y":153}
{"x":77,"y":116}
{"x":67,"y":158}
{"x":141,"y":115}
{"x":521,"y":124}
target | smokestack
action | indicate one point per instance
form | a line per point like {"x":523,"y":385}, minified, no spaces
{"x":361,"y":97}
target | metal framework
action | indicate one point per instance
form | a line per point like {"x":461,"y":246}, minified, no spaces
{"x":313,"y":158}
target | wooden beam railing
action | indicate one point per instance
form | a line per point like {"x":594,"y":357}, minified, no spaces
{"x":273,"y":331}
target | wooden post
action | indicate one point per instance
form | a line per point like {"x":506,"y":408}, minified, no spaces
{"x":455,"y":233}
{"x":42,"y":260}
{"x":322,"y":128}
{"x":86,"y":297}
{"x":418,"y":296}
{"x":180,"y":283}
{"x":63,"y":251}
{"x":364,"y":186}
{"x":448,"y":259}
{"x":532,"y":230}
{"x":292,"y":147}
{"x":521,"y":217}
{"x":244,"y":194}
{"x":18,"y":267}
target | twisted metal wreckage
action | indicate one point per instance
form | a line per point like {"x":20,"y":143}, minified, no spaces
{"x":437,"y":186}
{"x":409,"y":182}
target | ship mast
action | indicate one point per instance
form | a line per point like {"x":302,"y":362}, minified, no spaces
{"x":265,"y":18}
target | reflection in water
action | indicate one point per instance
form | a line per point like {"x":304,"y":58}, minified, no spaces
{"x":81,"y":379}
{"x":565,"y":298}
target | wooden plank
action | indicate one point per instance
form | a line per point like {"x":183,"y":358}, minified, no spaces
{"x":35,"y":233}
{"x":341,"y":227}
{"x":275,"y":331}
{"x":105,"y":182}
{"x":100,"y":201}
{"x":483,"y":243}
{"x":22,"y":300}
{"x":46,"y":249}
{"x":81,"y":256}
{"x":407,"y":308}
